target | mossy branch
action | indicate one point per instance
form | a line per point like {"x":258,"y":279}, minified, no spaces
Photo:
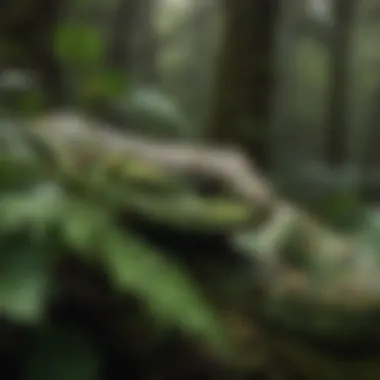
{"x":313,"y":267}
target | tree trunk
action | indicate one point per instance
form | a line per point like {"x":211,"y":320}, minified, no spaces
{"x":245,"y":79}
{"x":338,"y":132}
{"x":285,"y":131}
{"x":120,"y":50}
{"x":144,"y":43}
{"x":197,"y":75}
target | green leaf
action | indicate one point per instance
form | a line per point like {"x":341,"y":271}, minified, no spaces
{"x":79,"y":45}
{"x":24,"y":281}
{"x":137,"y":268}
{"x":82,"y":226}
{"x":36,"y":209}
{"x":61,"y":355}
{"x":154,"y":114}
{"x":168,"y":290}
{"x":102,"y":85}
{"x":134,"y":267}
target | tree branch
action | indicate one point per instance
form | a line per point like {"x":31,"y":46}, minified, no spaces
{"x":313,"y":269}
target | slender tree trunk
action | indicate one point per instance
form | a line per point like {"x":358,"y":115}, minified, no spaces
{"x":120,"y":45}
{"x":370,"y":155}
{"x":244,"y":90}
{"x":132,"y":40}
{"x":197,"y":76}
{"x":285,"y":126}
{"x":145,"y":42}
{"x":338,"y":133}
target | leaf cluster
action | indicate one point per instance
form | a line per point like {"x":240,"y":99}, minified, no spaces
{"x":45,"y":222}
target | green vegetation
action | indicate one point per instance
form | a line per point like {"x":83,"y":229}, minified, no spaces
{"x":120,"y":262}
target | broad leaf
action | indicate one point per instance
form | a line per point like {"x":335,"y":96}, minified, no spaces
{"x":151,"y":112}
{"x":35,"y":209}
{"x":24,"y":281}
{"x":79,"y":45}
{"x":166,"y":287}
{"x":102,"y":85}
{"x":83,"y":226}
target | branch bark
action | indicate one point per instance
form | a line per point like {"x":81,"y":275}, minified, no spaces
{"x":320,"y":281}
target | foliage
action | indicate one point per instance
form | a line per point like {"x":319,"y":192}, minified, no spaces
{"x":43,"y":224}
{"x":146,"y":110}
{"x":20,"y":92}
{"x":81,"y":48}
{"x":333,"y":196}
{"x":46,"y":222}
{"x":151,"y":112}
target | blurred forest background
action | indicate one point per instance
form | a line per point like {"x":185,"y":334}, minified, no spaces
{"x":293,"y":84}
